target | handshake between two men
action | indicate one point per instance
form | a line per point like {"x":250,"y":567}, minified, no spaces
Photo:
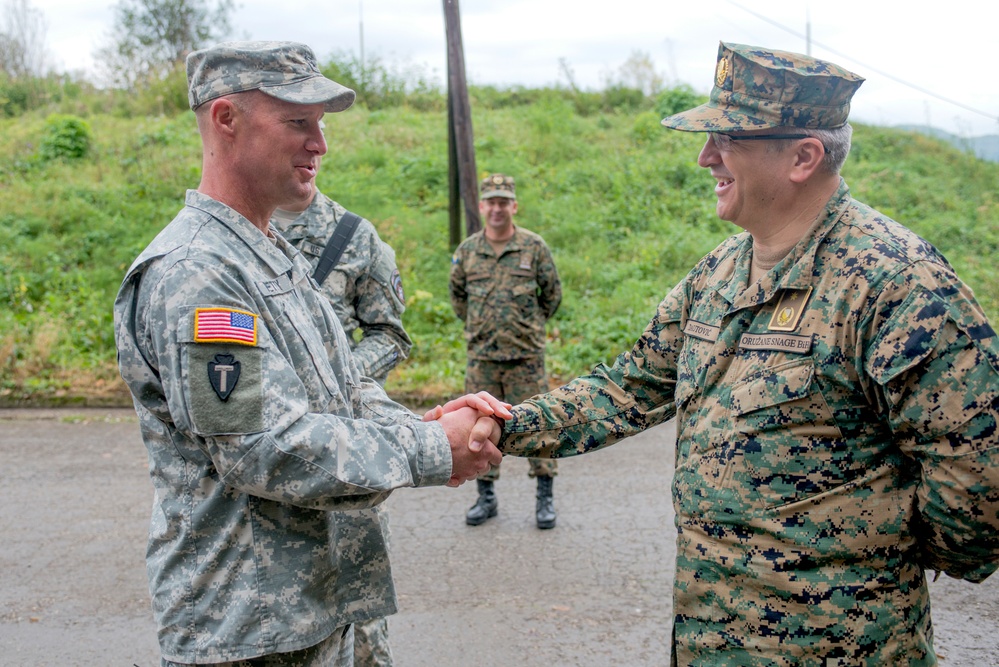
{"x":473,"y":424}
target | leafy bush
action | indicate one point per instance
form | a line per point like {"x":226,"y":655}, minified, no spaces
{"x":65,"y":137}
{"x":677,"y":99}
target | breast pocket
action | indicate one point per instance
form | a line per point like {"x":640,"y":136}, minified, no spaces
{"x":308,"y":339}
{"x":789,"y":441}
{"x":478,"y":287}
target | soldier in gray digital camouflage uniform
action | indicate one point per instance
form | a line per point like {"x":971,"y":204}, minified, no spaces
{"x":365,"y":290}
{"x":257,"y":422}
{"x":836,"y":389}
{"x":504,"y":286}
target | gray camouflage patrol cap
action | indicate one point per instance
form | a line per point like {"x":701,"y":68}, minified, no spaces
{"x":285,"y":70}
{"x":497,"y":185}
{"x":757,"y":88}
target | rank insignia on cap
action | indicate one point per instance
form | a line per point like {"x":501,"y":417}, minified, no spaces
{"x":497,"y":179}
{"x":225,"y":325}
{"x":721,"y":72}
{"x":789,"y":309}
{"x":223,"y":373}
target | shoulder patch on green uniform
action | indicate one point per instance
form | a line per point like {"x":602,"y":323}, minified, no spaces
{"x":226,"y":393}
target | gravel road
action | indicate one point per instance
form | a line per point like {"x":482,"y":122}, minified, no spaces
{"x":74,"y":507}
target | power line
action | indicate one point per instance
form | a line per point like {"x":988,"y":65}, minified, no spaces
{"x":865,"y":65}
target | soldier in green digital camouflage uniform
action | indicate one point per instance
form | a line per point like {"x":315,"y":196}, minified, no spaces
{"x":365,"y":290}
{"x":259,"y":427}
{"x":504,"y":286}
{"x":836,"y":389}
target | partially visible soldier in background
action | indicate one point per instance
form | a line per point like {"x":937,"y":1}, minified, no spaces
{"x":360,"y":279}
{"x":504,"y":286}
{"x":364,"y":287}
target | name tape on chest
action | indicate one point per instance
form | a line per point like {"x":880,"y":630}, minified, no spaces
{"x":780,"y":341}
{"x":225,"y":325}
{"x":312,"y":249}
{"x":279,"y":285}
{"x":703,"y":331}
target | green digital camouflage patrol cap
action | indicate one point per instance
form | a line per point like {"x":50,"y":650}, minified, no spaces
{"x":285,"y":70}
{"x":757,"y":88}
{"x":497,"y":185}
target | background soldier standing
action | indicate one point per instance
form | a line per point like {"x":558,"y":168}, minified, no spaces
{"x":365,"y":290}
{"x":504,"y":286}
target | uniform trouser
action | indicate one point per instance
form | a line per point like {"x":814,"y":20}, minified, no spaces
{"x":371,"y":646}
{"x":337,"y":650}
{"x":513,"y":381}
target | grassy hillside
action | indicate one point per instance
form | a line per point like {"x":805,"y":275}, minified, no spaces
{"x":620,"y":200}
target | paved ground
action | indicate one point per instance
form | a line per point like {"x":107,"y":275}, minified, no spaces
{"x":75,"y":500}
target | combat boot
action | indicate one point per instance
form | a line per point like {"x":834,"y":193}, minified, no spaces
{"x":485,"y":507}
{"x":545,"y":510}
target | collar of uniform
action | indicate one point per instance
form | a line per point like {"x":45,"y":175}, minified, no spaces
{"x":800,"y":262}
{"x":485,"y":248}
{"x":320,"y":218}
{"x":265,"y":249}
{"x":795,"y":271}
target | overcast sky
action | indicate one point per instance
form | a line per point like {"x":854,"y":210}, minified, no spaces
{"x":930,"y":64}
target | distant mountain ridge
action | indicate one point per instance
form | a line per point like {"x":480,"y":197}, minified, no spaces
{"x":985,"y":147}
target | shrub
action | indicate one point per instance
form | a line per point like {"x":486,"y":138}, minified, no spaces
{"x":677,"y":99}
{"x":65,"y":137}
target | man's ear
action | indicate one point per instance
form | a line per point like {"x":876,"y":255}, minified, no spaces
{"x":807,"y":159}
{"x":223,"y":115}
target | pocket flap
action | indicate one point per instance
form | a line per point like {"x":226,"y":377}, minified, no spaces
{"x":773,"y":387}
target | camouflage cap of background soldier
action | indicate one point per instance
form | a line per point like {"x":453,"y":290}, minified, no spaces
{"x":497,"y":185}
{"x":757,"y":88}
{"x":285,"y":70}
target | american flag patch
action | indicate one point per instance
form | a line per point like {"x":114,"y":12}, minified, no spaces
{"x":225,"y":325}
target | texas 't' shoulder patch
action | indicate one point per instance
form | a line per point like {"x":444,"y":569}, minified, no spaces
{"x":225,"y":325}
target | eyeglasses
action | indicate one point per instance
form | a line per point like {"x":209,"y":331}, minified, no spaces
{"x":724,"y":141}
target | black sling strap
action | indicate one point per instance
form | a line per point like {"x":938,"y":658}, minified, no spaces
{"x":335,"y":246}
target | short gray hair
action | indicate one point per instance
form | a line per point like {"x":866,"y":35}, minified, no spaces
{"x":836,"y":142}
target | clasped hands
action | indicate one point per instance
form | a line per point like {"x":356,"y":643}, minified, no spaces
{"x":473,"y":424}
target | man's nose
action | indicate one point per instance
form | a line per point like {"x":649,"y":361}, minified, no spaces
{"x":709,"y":154}
{"x":317,"y":143}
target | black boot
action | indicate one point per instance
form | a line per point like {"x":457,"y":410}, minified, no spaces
{"x":545,"y":511}
{"x":485,"y":507}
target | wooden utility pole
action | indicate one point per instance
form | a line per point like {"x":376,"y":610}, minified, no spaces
{"x":462,"y":174}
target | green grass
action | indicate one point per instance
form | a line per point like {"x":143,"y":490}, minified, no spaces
{"x":620,"y":200}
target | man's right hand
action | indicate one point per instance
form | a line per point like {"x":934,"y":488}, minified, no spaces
{"x":473,"y":437}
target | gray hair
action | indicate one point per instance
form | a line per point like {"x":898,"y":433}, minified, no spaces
{"x":836,"y":142}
